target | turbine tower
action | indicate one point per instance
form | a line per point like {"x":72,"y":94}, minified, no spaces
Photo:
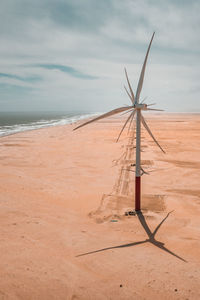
{"x":134,"y":109}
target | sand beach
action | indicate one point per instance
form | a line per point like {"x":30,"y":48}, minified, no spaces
{"x":63,"y":196}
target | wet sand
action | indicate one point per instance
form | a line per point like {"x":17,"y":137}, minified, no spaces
{"x":63,"y":196}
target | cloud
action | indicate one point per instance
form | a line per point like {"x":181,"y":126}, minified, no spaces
{"x":66,"y":69}
{"x":26,"y":79}
{"x":70,"y":54}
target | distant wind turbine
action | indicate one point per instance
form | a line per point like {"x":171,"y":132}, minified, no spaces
{"x":135,"y":109}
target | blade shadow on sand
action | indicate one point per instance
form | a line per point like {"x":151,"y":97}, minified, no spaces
{"x":151,"y":239}
{"x":151,"y":235}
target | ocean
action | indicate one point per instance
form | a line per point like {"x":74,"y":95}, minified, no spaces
{"x":13,"y":122}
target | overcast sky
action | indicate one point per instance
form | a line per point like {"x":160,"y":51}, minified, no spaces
{"x":70,"y":54}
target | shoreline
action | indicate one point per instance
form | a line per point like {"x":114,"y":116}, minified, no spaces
{"x":153,"y":114}
{"x":49,"y":123}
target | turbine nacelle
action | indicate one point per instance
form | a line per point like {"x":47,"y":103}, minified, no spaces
{"x":140,"y":106}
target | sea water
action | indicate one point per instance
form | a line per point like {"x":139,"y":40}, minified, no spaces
{"x":13,"y":122}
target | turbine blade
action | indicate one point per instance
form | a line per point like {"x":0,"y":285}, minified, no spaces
{"x":108,"y":114}
{"x":129,"y":95}
{"x":140,"y":83}
{"x":143,"y":100}
{"x":126,"y":112}
{"x":132,"y":94}
{"x":131,"y":121}
{"x":154,"y":109}
{"x":124,"y":127}
{"x":150,"y":133}
{"x":143,"y":171}
{"x":151,"y":104}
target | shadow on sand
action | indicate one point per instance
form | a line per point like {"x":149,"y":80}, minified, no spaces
{"x":151,"y":238}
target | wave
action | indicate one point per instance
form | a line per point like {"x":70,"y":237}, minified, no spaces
{"x":43,"y":123}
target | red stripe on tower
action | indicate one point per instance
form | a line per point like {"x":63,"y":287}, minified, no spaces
{"x":137,"y":193}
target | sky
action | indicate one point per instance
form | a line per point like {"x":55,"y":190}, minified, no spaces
{"x":69,"y":55}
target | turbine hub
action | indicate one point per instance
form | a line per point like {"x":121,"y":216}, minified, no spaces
{"x":140,"y":106}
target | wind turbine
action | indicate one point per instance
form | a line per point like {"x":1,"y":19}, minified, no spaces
{"x":134,"y":109}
